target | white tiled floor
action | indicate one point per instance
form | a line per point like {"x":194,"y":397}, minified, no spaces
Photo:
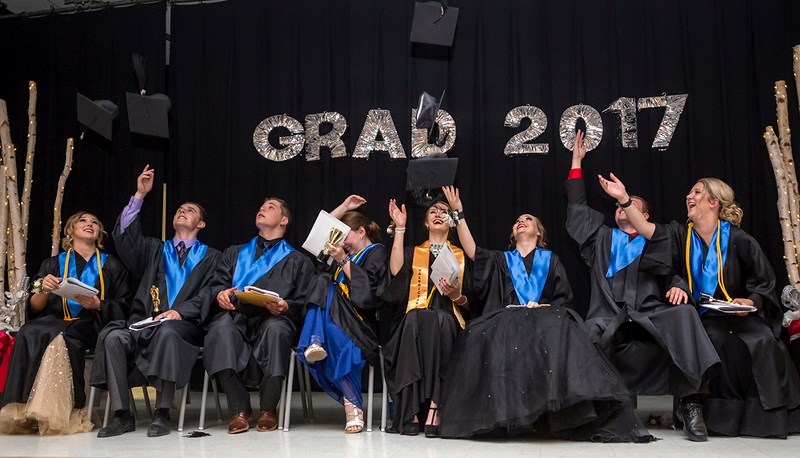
{"x":324,"y":438}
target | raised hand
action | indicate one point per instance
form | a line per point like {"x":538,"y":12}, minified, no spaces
{"x":144,"y":183}
{"x":578,"y":149}
{"x":398,"y":215}
{"x":353,"y":201}
{"x":613,"y":187}
{"x":453,"y":197}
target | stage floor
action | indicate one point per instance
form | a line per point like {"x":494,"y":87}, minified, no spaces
{"x":324,"y":438}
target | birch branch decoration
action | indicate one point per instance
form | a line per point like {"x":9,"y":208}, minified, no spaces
{"x":62,"y":181}
{"x":28,"y":184}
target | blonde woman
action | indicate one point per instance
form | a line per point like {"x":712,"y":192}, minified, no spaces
{"x":77,"y":321}
{"x":757,"y":389}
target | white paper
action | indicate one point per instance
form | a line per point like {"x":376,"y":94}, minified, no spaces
{"x":71,"y":287}
{"x":445,"y":266}
{"x":265,"y":292}
{"x":144,"y":324}
{"x":727,"y":307}
{"x":318,"y":236}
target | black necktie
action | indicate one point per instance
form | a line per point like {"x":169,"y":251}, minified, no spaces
{"x":181,"y":249}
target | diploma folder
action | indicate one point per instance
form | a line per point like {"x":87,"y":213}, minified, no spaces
{"x":148,"y":322}
{"x":256,"y":296}
{"x":71,"y":287}
{"x":724,"y":306}
{"x":320,"y":232}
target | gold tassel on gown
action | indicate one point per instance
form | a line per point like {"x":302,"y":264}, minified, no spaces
{"x":49,"y":410}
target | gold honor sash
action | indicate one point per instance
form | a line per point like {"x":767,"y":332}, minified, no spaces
{"x":418,"y":296}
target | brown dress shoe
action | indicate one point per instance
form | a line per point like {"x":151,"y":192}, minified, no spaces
{"x":267,"y":421}
{"x":240,"y":422}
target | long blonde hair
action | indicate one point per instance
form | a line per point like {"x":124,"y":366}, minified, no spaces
{"x":718,"y":190}
{"x":69,"y":227}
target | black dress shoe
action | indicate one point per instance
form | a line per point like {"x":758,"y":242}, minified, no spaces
{"x":694,"y":426}
{"x":120,"y":424}
{"x":160,"y":425}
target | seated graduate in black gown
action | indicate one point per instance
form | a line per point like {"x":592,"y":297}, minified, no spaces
{"x":423,"y":339}
{"x":248,"y":345}
{"x":173,"y":275}
{"x":45,"y":389}
{"x":340,"y":331}
{"x":528,"y":364}
{"x":643,"y":322}
{"x":757,"y":389}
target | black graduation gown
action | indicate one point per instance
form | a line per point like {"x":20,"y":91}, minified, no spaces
{"x":80,"y":334}
{"x":166,"y":352}
{"x":521,"y":370}
{"x":420,"y":345}
{"x":254,"y":351}
{"x":358,"y":316}
{"x":757,"y":389}
{"x":674,"y":345}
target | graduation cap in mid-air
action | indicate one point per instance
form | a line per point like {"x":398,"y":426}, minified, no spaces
{"x":96,"y":115}
{"x":427,"y":110}
{"x":425,"y":176}
{"x":434,"y":23}
{"x":147,"y":114}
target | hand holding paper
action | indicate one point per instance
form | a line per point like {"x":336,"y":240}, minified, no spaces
{"x":326,"y":229}
{"x":71,"y":288}
{"x":445,"y":266}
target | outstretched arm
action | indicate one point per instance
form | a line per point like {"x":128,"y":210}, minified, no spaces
{"x":399,"y":216}
{"x":616,"y":189}
{"x":352,"y":202}
{"x":464,"y":234}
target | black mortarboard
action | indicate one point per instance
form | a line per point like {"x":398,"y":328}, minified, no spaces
{"x":97,"y":115}
{"x":434,"y":23}
{"x":430,"y":173}
{"x":427,"y":109}
{"x":147,"y":114}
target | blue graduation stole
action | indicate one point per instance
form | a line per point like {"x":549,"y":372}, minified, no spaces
{"x":175,"y":274}
{"x":93,"y":269}
{"x":528,"y":286}
{"x":248,"y":271}
{"x":707,"y":274}
{"x":623,"y":251}
{"x":358,"y":258}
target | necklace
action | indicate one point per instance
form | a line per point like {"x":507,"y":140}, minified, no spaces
{"x":436,"y":248}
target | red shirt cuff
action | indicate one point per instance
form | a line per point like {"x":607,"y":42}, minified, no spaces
{"x":575,"y":174}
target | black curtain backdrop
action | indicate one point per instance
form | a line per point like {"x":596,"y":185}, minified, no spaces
{"x":235,"y":63}
{"x":88,"y":53}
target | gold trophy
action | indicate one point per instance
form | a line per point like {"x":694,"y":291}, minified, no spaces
{"x":335,"y":237}
{"x":156,"y":301}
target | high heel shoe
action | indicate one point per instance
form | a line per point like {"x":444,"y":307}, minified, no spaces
{"x":433,"y":430}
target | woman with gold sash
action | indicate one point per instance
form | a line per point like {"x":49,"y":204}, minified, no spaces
{"x":528,"y":363}
{"x":424,"y":337}
{"x":45,"y":388}
{"x":757,"y":389}
{"x":339,"y":332}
